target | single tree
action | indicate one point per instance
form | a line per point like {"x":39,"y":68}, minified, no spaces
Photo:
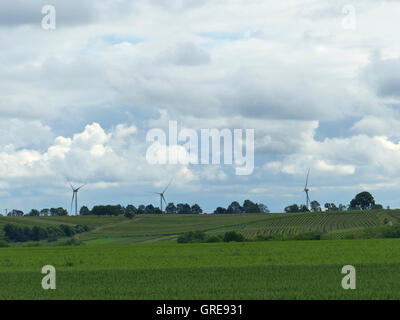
{"x":45,"y":212}
{"x":34,"y":213}
{"x":171,"y":208}
{"x":220,"y":210}
{"x":262,"y":208}
{"x":315,"y":206}
{"x":250,"y":207}
{"x":84,"y":211}
{"x":235,"y":207}
{"x":130,"y":211}
{"x":364,"y":201}
{"x":195,"y":209}
{"x":149,"y":209}
{"x":331,"y":207}
{"x":15,"y":213}
{"x":157,"y":210}
{"x":61,"y":212}
{"x":183,"y":208}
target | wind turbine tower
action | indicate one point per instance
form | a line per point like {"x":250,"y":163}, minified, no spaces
{"x":306,"y":189}
{"x":162,"y":198}
{"x":75,"y":196}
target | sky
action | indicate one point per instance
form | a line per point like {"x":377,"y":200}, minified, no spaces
{"x":317,"y":81}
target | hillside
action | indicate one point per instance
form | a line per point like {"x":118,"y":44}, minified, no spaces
{"x":164,"y":228}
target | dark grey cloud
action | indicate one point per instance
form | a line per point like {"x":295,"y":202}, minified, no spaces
{"x":72,"y":12}
{"x":383,"y":75}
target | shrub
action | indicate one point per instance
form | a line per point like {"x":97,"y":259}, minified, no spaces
{"x":349,"y":236}
{"x":32,"y":244}
{"x":314,"y":235}
{"x":192,"y":236}
{"x":4,"y":244}
{"x":38,"y":233}
{"x":72,"y":242}
{"x":266,"y":238}
{"x":386,"y":231}
{"x":54,"y":232}
{"x":213,"y":239}
{"x":68,"y":231}
{"x":15,"y":233}
{"x":80,"y":228}
{"x":391,"y":232}
{"x":233,"y":236}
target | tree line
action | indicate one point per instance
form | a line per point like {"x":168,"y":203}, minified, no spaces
{"x":53,"y":212}
{"x":130,"y":210}
{"x":181,"y":208}
{"x":247,"y":207}
{"x":15,"y":233}
{"x":362,"y":201}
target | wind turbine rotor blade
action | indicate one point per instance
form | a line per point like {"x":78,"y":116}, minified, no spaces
{"x":164,"y":199}
{"x":66,"y":178}
{"x":307,"y":178}
{"x":81,"y":186}
{"x":72,"y":201}
{"x":167,"y":186}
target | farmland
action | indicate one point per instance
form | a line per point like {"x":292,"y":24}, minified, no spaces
{"x":166,"y":228}
{"x":139,"y":258}
{"x":252,"y":270}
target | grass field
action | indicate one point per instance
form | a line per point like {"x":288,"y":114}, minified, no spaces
{"x":252,"y":270}
{"x":140,"y":259}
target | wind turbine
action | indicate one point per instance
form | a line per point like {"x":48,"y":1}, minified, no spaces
{"x":75,"y":196}
{"x":306,"y":190}
{"x":161,"y":194}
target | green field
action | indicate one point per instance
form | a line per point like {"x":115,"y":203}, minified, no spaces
{"x":251,"y":270}
{"x":140,"y":259}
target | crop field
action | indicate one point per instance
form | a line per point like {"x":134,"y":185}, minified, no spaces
{"x":139,"y":258}
{"x":329,"y":222}
{"x":249,"y":270}
{"x":118,"y":230}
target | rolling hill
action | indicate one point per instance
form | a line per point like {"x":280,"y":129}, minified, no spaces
{"x":166,"y":228}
